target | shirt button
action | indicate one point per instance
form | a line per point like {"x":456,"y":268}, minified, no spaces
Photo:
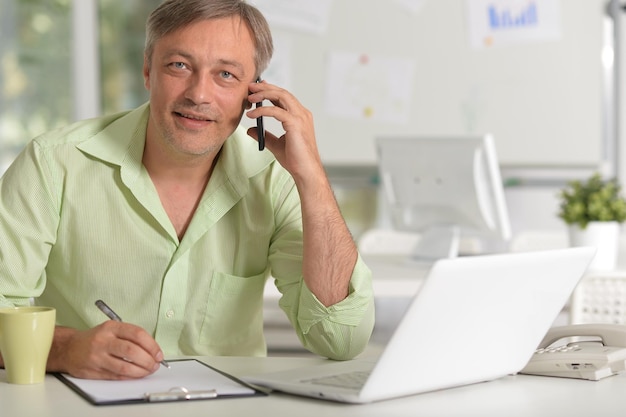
{"x":169,"y":314}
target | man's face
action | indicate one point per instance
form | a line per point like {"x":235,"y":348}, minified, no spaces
{"x":198,"y":81}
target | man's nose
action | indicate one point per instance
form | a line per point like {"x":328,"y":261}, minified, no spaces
{"x":200,"y":88}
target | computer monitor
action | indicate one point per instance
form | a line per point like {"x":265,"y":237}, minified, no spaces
{"x":444,"y":188}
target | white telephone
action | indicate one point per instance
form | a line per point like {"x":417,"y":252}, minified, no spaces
{"x":585,"y":359}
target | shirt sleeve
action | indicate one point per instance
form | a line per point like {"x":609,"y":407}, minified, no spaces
{"x":27,"y":225}
{"x":343,"y":330}
{"x":340,"y":331}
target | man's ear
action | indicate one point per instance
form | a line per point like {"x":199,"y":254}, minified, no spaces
{"x":247,"y":104}
{"x":146,"y":72}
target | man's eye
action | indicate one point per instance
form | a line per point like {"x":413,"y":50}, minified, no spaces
{"x":179,"y":65}
{"x":226,"y":74}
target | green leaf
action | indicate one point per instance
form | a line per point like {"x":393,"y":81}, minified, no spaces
{"x":593,"y":200}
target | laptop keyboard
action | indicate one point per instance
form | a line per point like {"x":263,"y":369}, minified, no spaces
{"x":355,"y":379}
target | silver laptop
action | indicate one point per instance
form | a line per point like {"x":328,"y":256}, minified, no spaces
{"x":474,"y":319}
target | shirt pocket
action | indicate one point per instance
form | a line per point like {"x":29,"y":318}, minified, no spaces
{"x":233,"y":322}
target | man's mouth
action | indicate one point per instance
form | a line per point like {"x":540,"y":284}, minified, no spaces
{"x":193,"y":117}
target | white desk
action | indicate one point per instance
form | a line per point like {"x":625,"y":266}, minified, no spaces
{"x":512,"y":396}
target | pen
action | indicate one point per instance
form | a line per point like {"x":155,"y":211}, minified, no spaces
{"x":259,"y":124}
{"x":113,"y":316}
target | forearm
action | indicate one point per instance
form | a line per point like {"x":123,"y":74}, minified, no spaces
{"x":329,"y":252}
{"x":57,"y":360}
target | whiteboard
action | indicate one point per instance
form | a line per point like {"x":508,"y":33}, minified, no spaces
{"x":542,"y":99}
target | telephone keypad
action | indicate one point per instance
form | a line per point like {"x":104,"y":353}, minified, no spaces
{"x":555,"y":349}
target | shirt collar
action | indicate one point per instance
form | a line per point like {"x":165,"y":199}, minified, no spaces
{"x":121,"y":142}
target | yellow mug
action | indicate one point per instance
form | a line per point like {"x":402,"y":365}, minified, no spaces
{"x":25,"y":340}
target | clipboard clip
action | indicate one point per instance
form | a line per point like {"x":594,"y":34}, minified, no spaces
{"x":179,"y":394}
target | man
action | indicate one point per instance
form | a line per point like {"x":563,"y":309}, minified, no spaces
{"x":171,"y":215}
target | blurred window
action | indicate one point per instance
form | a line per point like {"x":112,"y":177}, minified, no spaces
{"x":36,"y":76}
{"x":122,"y":37}
{"x":35,"y":71}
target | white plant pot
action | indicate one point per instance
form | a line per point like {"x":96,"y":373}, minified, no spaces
{"x":602,"y":235}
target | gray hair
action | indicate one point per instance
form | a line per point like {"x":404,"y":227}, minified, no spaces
{"x":172,"y":15}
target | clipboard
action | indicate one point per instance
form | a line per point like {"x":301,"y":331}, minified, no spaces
{"x":186,"y":380}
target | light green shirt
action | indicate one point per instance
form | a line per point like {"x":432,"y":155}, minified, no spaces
{"x":81,"y":220}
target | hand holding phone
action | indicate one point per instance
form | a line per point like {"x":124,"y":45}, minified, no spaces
{"x":259,"y":125}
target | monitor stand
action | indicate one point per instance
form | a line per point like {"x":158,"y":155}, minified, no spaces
{"x":437,"y":242}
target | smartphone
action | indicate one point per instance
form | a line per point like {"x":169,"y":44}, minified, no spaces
{"x":259,"y":125}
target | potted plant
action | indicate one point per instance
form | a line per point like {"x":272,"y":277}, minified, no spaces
{"x":594,"y":210}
